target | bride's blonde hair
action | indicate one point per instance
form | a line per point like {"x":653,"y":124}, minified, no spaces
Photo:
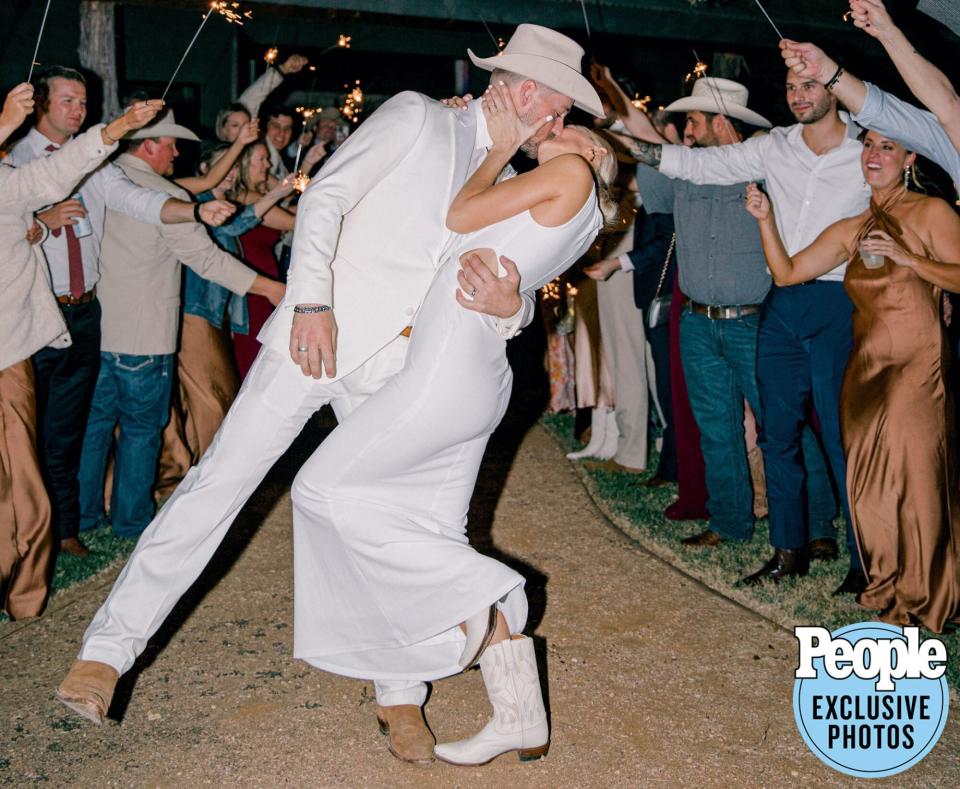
{"x":605,"y":171}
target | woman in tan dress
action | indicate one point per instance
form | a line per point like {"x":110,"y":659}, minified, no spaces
{"x":896,"y":411}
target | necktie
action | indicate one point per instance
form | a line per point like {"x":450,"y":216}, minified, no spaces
{"x":74,"y":253}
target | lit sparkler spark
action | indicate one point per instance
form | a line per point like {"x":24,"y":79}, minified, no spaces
{"x":846,"y":16}
{"x":343,"y":42}
{"x":230,"y":11}
{"x":640,"y":104}
{"x":301,"y":182}
{"x":699,"y":71}
{"x":353,"y":103}
{"x":271,"y":56}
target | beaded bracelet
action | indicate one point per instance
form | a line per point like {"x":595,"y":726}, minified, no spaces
{"x":303,"y":310}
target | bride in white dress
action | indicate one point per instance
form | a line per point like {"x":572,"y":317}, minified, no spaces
{"x":386,"y":584}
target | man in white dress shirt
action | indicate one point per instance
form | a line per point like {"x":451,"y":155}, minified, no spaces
{"x":376,"y":214}
{"x":67,"y":373}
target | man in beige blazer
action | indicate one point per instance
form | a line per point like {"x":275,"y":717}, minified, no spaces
{"x":369,"y":237}
{"x":139,"y":295}
{"x":29,"y":320}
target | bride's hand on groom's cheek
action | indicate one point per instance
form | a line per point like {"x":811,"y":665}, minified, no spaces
{"x":458,"y":102}
{"x":482,"y":291}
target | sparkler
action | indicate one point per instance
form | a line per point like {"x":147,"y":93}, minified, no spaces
{"x":36,"y":49}
{"x":498,"y":41}
{"x":640,"y":104}
{"x":343,"y":42}
{"x":353,"y":103}
{"x":229,"y":11}
{"x":586,"y":22}
{"x":764,"y":10}
{"x":699,"y":70}
{"x":271,"y":56}
{"x":307,"y":113}
{"x":300,"y":182}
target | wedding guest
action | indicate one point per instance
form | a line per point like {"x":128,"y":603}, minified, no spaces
{"x":247,"y":107}
{"x":876,"y":109}
{"x":258,"y":245}
{"x":896,"y":405}
{"x":66,"y":370}
{"x":140,"y":293}
{"x":30,"y":318}
{"x":723,"y":274}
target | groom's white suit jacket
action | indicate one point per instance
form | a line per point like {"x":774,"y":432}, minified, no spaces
{"x":370,"y":230}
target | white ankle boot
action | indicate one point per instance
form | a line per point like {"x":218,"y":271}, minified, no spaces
{"x":601,"y":421}
{"x":519,"y":721}
{"x":611,"y":438}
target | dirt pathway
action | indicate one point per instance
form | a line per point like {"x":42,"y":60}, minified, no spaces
{"x":653,"y":680}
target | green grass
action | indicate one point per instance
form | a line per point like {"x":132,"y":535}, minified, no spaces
{"x":638,"y":512}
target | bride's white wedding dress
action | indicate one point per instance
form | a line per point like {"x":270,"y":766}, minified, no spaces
{"x":383,"y":572}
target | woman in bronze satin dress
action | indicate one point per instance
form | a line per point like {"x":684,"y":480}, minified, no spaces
{"x":896,"y":410}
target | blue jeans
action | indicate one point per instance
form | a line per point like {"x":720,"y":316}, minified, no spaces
{"x":720,"y":364}
{"x":134,"y":392}
{"x":805,"y":340}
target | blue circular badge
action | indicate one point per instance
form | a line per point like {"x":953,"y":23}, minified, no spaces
{"x":857,"y":728}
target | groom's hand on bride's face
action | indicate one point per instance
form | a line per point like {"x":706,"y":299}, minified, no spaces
{"x":313,"y":343}
{"x":483,"y":291}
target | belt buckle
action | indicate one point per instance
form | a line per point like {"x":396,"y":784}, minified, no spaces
{"x":713,"y":312}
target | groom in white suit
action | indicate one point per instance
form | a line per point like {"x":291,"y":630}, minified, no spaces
{"x":369,"y":237}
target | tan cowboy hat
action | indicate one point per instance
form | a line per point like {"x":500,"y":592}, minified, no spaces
{"x":163,"y":126}
{"x":720,"y":96}
{"x":549,"y":57}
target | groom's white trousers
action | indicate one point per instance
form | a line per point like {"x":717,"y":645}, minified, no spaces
{"x":273,"y":405}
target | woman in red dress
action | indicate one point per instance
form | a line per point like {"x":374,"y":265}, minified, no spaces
{"x":257,"y":246}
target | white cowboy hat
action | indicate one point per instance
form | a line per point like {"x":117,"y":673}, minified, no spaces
{"x":720,"y":96}
{"x":549,"y":57}
{"x":163,"y":126}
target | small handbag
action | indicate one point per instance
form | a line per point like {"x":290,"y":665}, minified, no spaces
{"x":658,"y":313}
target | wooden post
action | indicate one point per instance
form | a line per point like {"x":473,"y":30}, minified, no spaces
{"x":98,"y":49}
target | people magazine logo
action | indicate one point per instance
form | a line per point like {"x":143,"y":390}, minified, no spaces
{"x":870,"y":699}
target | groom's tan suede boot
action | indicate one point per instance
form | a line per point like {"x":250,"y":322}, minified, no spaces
{"x":88,"y":688}
{"x":410,"y":739}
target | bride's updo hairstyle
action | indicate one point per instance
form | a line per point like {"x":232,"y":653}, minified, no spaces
{"x":605,"y":170}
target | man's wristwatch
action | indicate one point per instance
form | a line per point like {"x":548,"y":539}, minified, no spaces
{"x":305,"y":310}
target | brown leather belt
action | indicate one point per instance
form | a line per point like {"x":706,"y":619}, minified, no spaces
{"x":83,"y":298}
{"x":722,"y":312}
{"x":407,"y":331}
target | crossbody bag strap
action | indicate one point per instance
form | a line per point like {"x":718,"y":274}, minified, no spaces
{"x":666,"y":265}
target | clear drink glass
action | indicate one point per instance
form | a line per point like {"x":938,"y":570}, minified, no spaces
{"x":870,"y":260}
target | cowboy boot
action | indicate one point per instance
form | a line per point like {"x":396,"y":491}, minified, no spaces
{"x":88,"y":688}
{"x":480,"y":628}
{"x":519,"y":721}
{"x":409,"y":738}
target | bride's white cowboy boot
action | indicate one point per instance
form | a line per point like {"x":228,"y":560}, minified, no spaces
{"x":480,"y":629}
{"x":519,"y":721}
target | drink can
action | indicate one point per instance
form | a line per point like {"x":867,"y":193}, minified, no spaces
{"x":83,"y":227}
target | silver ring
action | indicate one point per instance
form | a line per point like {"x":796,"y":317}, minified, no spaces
{"x":302,"y":350}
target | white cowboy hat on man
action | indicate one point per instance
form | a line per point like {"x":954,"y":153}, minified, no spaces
{"x":721,"y":97}
{"x":548,"y":57}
